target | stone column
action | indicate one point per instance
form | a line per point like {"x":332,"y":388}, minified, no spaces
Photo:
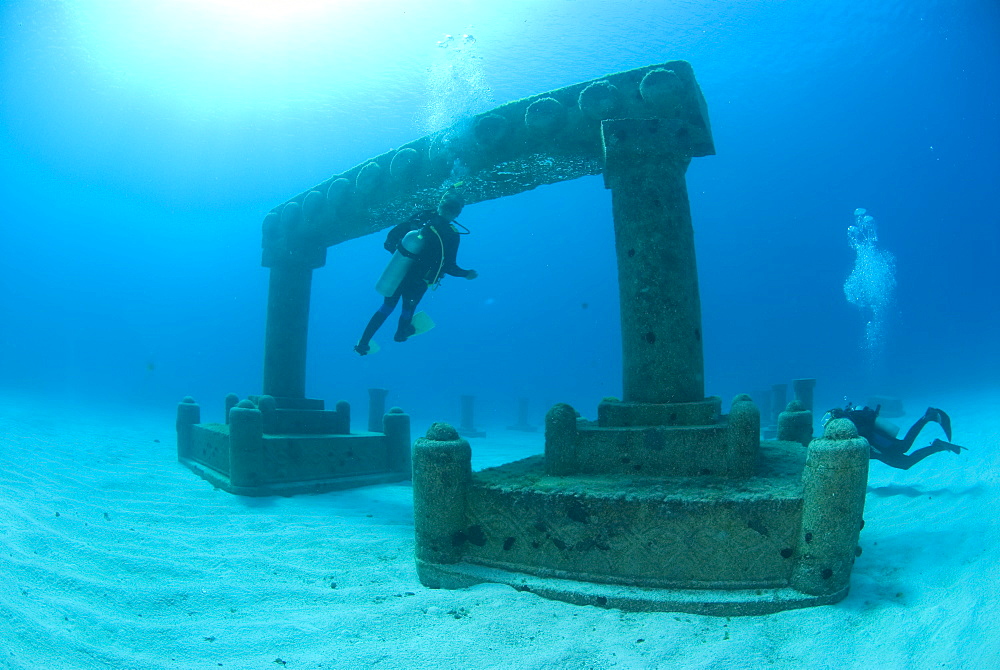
{"x":560,"y":440}
{"x":522,"y":418}
{"x":231,"y":401}
{"x":803,"y":390}
{"x":742,"y":437}
{"x":287,"y":331}
{"x":188,"y":414}
{"x":342,"y":424}
{"x":246,"y":445}
{"x":468,"y":425}
{"x":657,"y":278}
{"x":834,"y":482}
{"x":396,"y":426}
{"x":442,"y":474}
{"x":795,"y":424}
{"x":376,"y":409}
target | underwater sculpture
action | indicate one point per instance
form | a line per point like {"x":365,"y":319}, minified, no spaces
{"x":516,"y":147}
{"x":663,"y":502}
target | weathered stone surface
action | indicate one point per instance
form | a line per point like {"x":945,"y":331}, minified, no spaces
{"x":442,"y":469}
{"x":543,"y":139}
{"x":834,"y":483}
{"x":795,"y":424}
{"x":282,"y":446}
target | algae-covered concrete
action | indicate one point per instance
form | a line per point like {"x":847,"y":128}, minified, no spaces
{"x":663,"y":502}
{"x":547,"y":138}
{"x":265,"y":448}
{"x":543,"y":139}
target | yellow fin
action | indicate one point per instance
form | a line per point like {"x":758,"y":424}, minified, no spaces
{"x":422,"y":322}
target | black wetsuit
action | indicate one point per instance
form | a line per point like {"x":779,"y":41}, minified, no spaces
{"x":437,"y":258}
{"x":888,"y":449}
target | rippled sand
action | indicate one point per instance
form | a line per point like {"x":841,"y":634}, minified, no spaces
{"x":112,"y":555}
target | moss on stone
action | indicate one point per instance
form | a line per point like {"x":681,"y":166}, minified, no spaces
{"x":840,"y":429}
{"x":442,"y":432}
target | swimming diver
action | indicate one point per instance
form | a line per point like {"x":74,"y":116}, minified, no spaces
{"x":881,"y":435}
{"x":424,"y":249}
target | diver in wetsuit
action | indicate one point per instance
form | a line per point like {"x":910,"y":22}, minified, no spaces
{"x":881,"y":435}
{"x":436,"y":257}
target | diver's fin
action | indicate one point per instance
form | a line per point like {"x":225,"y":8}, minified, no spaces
{"x":939,"y":416}
{"x":948,"y":446}
{"x":373,"y":348}
{"x":422,"y":322}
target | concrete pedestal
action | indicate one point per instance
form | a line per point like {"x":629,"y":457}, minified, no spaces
{"x":638,"y":539}
{"x":273,"y":446}
{"x":663,"y":502}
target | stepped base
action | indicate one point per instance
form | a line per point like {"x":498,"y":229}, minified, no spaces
{"x":714,"y":602}
{"x":222,"y":481}
{"x":286,"y":446}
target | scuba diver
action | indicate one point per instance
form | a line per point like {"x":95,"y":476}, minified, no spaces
{"x":424,"y":249}
{"x":881,"y":435}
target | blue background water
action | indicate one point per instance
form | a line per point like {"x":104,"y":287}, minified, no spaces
{"x":142,"y":144}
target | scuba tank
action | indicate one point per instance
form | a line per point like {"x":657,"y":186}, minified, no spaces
{"x":402,"y":260}
{"x":886,"y":427}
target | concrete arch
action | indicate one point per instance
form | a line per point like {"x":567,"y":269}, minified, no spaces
{"x":640,"y":128}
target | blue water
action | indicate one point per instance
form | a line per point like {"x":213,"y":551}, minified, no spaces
{"x":141,"y":146}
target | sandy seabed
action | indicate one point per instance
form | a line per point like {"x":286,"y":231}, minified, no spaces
{"x":113,"y":555}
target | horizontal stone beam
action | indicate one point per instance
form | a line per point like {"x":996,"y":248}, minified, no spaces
{"x":543,"y":139}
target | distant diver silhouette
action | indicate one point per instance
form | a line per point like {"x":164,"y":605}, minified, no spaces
{"x":881,"y":435}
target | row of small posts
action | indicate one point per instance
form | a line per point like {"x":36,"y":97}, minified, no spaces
{"x":467,"y":426}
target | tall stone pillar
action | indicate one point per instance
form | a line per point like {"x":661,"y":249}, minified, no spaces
{"x":287,"y":331}
{"x":657,"y":277}
{"x":292,"y":254}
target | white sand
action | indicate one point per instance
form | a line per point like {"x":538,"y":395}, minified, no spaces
{"x":115,"y":556}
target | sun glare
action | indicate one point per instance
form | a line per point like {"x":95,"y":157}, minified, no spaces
{"x":212,"y":53}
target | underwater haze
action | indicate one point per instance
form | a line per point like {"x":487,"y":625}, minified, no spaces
{"x":142,"y":144}
{"x":847,"y":230}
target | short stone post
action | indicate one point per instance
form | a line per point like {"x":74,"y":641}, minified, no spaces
{"x":795,"y":424}
{"x":834,"y":482}
{"x":802,"y":390}
{"x":376,"y":409}
{"x":560,"y":440}
{"x":396,"y":426}
{"x":742,"y":437}
{"x":188,"y":414}
{"x":268,"y":406}
{"x":246,"y":445}
{"x":231,"y":400}
{"x":468,"y":425}
{"x":442,"y":474}
{"x":343,"y":422}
